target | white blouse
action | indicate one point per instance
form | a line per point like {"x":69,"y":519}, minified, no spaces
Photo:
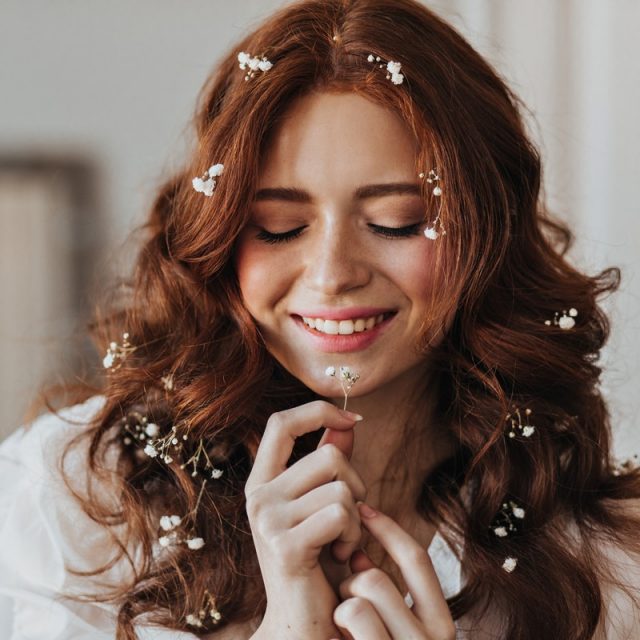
{"x":43,"y":530}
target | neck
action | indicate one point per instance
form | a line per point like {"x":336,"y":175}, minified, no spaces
{"x":399,"y":442}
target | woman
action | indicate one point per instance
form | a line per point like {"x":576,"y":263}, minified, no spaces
{"x":358,"y":228}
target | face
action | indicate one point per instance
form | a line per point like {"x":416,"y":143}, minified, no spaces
{"x":334,"y":266}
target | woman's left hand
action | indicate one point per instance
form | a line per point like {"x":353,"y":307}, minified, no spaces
{"x":372,"y":608}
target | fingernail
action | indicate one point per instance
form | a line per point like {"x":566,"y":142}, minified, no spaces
{"x":366,"y":511}
{"x":356,"y":417}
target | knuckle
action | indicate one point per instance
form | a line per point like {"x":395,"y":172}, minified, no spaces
{"x":350,"y":609}
{"x":276,"y":421}
{"x":340,"y":514}
{"x":372,"y":579}
{"x":333,"y":454}
{"x":343,"y":492}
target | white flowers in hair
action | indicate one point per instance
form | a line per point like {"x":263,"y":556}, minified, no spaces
{"x":117,"y":353}
{"x":565,"y":321}
{"x":433,"y":178}
{"x":504,"y":520}
{"x":393,"y":69}
{"x":207,"y":610}
{"x":517,"y":426}
{"x":206,"y":183}
{"x":509,"y":564}
{"x":245,"y":61}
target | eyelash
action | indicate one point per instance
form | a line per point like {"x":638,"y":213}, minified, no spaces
{"x":387,"y":232}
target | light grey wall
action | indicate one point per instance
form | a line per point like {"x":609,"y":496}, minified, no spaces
{"x":117,"y":81}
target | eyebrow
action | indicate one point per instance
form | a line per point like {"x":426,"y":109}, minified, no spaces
{"x":291,"y":194}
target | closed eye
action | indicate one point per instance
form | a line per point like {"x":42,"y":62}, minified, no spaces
{"x":387,"y":232}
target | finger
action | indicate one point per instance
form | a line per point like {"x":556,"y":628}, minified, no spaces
{"x":284,"y":427}
{"x":333,"y":522}
{"x":376,"y":586}
{"x":319,"y":467}
{"x":358,"y":618}
{"x":360,"y":561}
{"x":341,"y":439}
{"x":334,"y":492}
{"x":430,"y":605}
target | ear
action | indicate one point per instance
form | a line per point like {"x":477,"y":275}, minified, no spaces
{"x":341,"y":439}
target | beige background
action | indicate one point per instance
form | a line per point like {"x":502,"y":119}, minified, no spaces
{"x":115,"y":82}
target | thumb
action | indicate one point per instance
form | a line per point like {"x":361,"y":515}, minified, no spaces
{"x":341,"y":439}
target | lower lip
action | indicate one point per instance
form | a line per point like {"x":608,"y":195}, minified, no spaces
{"x":345,"y":343}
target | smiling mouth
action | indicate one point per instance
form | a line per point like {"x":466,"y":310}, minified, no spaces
{"x":323,"y":326}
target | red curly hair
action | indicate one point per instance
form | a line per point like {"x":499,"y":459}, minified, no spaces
{"x":506,"y":270}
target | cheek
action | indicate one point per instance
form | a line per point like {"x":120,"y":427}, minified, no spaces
{"x":261,"y":276}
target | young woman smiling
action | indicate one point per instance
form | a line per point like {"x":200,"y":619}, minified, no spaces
{"x":372,"y":203}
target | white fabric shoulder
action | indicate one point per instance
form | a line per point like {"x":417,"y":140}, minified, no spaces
{"x":43,"y":528}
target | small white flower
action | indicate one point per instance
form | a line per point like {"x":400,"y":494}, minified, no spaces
{"x":168,"y":459}
{"x":437,"y":191}
{"x":204,"y":186}
{"x":566,"y":322}
{"x":264,"y":65}
{"x":176,"y":521}
{"x":501,"y":532}
{"x":165,"y":523}
{"x":164,"y":541}
{"x":151,"y":451}
{"x":167,"y":382}
{"x":528,"y":431}
{"x":397,"y":78}
{"x":573,"y":312}
{"x":215,"y":170}
{"x":194,"y":621}
{"x":431,"y":233}
{"x":216,"y":473}
{"x":518,"y":512}
{"x":195,"y":543}
{"x":330,"y":371}
{"x":370,"y":58}
{"x":393,"y":67}
{"x":509,"y":564}
{"x":152,"y":429}
{"x":243,"y":59}
{"x":216,"y":615}
{"x":107,"y":361}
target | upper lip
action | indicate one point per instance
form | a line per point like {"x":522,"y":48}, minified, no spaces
{"x":346,"y":313}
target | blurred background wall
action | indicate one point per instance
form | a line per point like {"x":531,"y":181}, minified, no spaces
{"x":95,"y":103}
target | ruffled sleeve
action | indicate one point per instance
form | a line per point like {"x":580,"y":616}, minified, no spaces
{"x":43,"y":530}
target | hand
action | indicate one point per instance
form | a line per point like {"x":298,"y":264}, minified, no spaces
{"x":374,"y":609}
{"x":293,"y":512}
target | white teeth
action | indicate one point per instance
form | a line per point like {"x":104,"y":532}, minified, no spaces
{"x":343,"y":327}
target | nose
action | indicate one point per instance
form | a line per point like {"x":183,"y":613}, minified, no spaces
{"x":335,"y":262}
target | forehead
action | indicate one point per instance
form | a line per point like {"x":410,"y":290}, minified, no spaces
{"x":336,"y":138}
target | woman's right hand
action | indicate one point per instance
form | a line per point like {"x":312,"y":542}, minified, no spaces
{"x":295,"y":511}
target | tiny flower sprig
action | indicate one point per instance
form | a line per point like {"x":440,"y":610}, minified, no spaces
{"x":517,"y":427}
{"x":175,"y":533}
{"x":393,"y":68}
{"x":346,"y":378}
{"x":565,"y":321}
{"x":163,"y":447}
{"x":505,"y":521}
{"x":136,"y":427}
{"x":432,"y":232}
{"x":196,"y":460}
{"x":246,"y":60}
{"x":206,"y":183}
{"x":117,"y":353}
{"x":207,"y":610}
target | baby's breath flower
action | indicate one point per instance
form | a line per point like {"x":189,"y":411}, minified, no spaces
{"x":195,"y":543}
{"x":431,"y":233}
{"x":565,"y":321}
{"x":167,"y":382}
{"x":517,"y":426}
{"x":347,"y":379}
{"x":117,"y":353}
{"x":151,"y":451}
{"x":152,"y":429}
{"x":206,"y":183}
{"x":509,"y":564}
{"x":253,"y":63}
{"x":216,"y":473}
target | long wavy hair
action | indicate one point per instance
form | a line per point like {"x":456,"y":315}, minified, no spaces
{"x":506,"y":270}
